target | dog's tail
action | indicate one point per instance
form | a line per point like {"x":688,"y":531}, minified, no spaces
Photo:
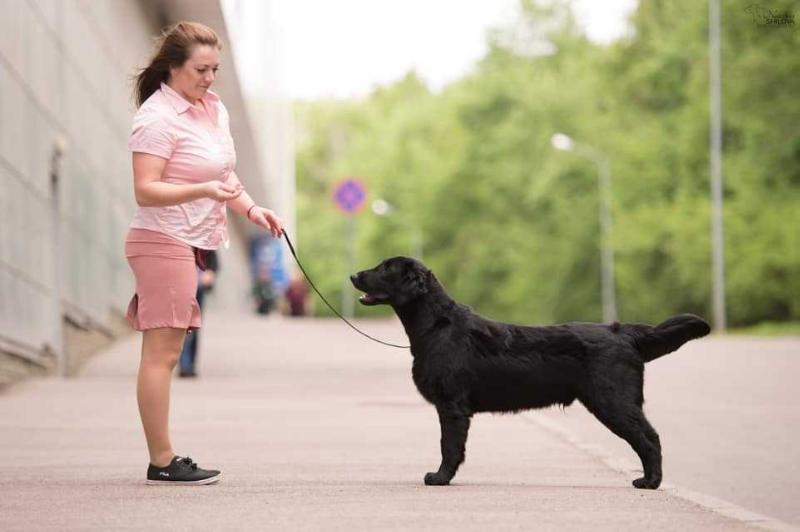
{"x":666,"y":337}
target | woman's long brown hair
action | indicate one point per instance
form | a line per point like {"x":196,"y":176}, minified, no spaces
{"x":173,"y":46}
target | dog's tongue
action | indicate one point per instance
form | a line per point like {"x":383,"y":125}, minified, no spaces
{"x":370,"y":299}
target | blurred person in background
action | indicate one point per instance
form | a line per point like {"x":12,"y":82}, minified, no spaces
{"x":264,"y":290}
{"x":296,"y":300}
{"x":205,"y":284}
{"x":183,"y":160}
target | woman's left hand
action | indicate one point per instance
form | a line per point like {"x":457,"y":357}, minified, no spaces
{"x":267,"y":219}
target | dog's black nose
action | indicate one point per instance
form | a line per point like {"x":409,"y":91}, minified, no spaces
{"x":354,"y":277}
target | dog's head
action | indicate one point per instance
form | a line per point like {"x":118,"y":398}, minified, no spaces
{"x":394,"y":281}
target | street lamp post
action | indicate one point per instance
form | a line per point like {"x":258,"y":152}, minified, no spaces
{"x":715,"y":122}
{"x":563,"y":142}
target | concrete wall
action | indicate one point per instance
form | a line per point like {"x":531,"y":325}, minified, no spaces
{"x":64,"y":88}
{"x":260,"y":53}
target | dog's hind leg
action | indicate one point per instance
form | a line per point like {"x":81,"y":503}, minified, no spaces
{"x":454,"y":422}
{"x":629,"y":423}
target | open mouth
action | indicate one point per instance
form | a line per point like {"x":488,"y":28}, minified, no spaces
{"x":373,"y":299}
{"x":369,"y":298}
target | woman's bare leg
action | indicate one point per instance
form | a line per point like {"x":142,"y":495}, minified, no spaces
{"x":160,"y":351}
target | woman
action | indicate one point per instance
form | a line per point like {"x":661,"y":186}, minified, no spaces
{"x":183,"y":160}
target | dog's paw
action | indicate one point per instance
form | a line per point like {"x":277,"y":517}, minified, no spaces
{"x":646,"y":483}
{"x":436,"y":479}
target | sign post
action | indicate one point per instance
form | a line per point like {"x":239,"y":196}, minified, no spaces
{"x":349,"y":195}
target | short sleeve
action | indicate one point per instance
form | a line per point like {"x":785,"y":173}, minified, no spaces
{"x":152,"y":134}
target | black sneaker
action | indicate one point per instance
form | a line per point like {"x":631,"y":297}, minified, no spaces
{"x":181,"y":472}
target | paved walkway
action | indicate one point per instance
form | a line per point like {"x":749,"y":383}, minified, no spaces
{"x":314,"y":428}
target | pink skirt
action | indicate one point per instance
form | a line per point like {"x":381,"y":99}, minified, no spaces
{"x":166,"y":281}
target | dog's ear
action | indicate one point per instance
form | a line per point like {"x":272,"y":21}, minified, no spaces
{"x":415,"y":281}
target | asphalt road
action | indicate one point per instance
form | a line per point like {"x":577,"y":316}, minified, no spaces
{"x":728,"y":413}
{"x":315,"y":427}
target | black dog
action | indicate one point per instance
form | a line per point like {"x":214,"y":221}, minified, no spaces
{"x":465,"y":363}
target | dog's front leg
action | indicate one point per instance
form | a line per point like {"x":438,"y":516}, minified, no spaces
{"x":454,"y":423}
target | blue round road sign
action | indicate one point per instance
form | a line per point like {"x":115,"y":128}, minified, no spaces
{"x":350,"y":195}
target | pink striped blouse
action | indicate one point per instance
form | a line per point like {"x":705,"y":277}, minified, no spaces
{"x":197,"y":144}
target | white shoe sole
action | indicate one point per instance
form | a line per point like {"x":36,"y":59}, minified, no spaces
{"x":209,"y":480}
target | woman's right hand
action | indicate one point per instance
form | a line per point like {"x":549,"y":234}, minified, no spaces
{"x":220,"y":191}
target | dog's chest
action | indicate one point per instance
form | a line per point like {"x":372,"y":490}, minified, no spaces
{"x":423,"y":382}
{"x":436,"y":378}
{"x":426,"y":386}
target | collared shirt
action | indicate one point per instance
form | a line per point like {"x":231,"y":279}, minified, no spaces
{"x":197,"y":144}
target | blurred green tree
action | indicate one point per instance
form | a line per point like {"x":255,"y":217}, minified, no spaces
{"x":511,"y":227}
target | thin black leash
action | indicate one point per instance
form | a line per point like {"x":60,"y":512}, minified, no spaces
{"x":294,"y":254}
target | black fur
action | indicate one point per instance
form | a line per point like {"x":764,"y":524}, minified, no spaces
{"x":465,"y":363}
